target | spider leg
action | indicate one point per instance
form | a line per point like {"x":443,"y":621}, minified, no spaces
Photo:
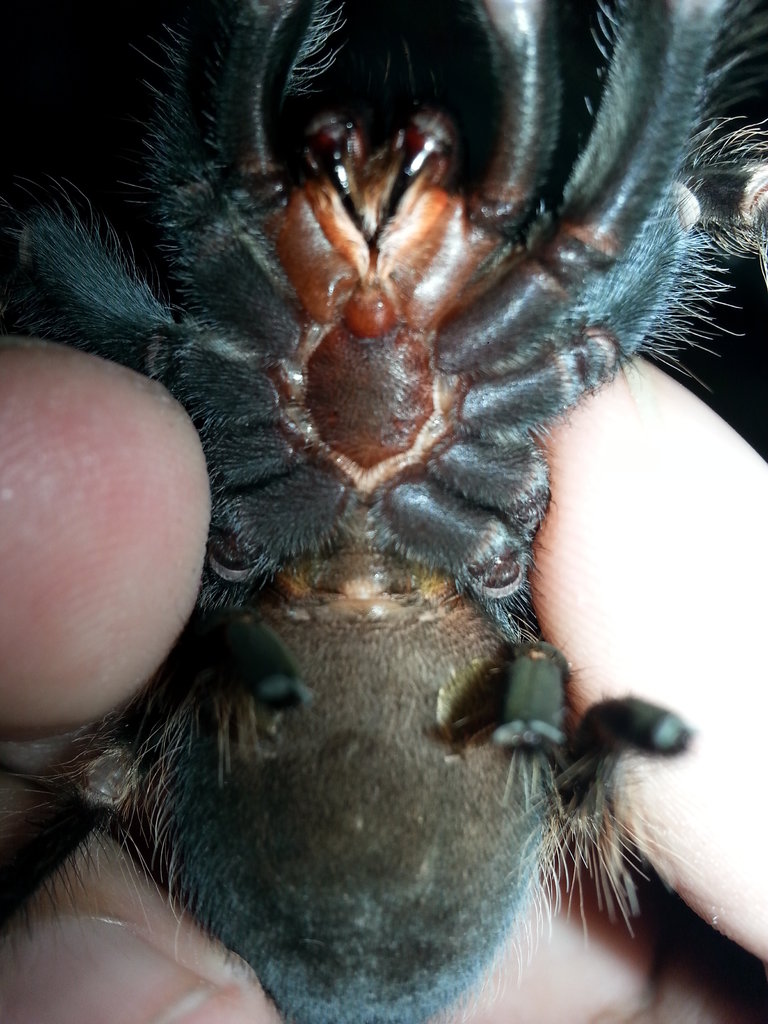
{"x":72,"y":287}
{"x":582,"y":783}
{"x":472,"y":512}
{"x":554,"y":379}
{"x":655,"y":91}
{"x":526,"y":66}
{"x":726,"y":189}
{"x":482,"y":549}
{"x":238,"y":61}
{"x":512,"y":479}
{"x":631,"y":723}
{"x":75,"y":288}
{"x":236,"y":640}
{"x":618,"y":235}
{"x":251,"y":536}
{"x":254,"y":76}
{"x":53,"y":843}
{"x":219,"y":179}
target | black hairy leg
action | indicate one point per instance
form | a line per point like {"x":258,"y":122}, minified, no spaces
{"x":379,"y":319}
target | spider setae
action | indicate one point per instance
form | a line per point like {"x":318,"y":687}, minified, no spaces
{"x":384,"y":301}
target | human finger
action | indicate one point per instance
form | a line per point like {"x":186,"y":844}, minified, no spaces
{"x":103,"y":518}
{"x":650,"y":577}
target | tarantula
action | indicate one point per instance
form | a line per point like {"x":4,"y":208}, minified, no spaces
{"x":385,"y":301}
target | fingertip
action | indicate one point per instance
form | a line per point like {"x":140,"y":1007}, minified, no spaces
{"x":102,"y":943}
{"x":103,"y":517}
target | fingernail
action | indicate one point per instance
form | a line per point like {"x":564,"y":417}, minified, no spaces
{"x":87,"y":971}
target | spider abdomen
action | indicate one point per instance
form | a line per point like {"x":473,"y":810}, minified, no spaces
{"x":365,"y":814}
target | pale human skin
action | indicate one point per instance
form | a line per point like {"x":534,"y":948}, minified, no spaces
{"x":650,"y":577}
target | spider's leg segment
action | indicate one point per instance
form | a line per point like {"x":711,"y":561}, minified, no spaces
{"x":53,"y":843}
{"x":76,"y":289}
{"x":248,"y":655}
{"x":266,"y":42}
{"x":478,"y":546}
{"x":72,"y":287}
{"x":250,"y":536}
{"x":618,"y":244}
{"x":655,"y":91}
{"x":215,"y":170}
{"x":631,"y":723}
{"x":526,"y":60}
{"x":584,"y":765}
{"x":533,"y":709}
{"x":726,"y":189}
{"x":558,"y":316}
{"x":512,"y":479}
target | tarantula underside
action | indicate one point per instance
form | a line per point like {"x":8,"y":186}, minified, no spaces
{"x":385,"y":306}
